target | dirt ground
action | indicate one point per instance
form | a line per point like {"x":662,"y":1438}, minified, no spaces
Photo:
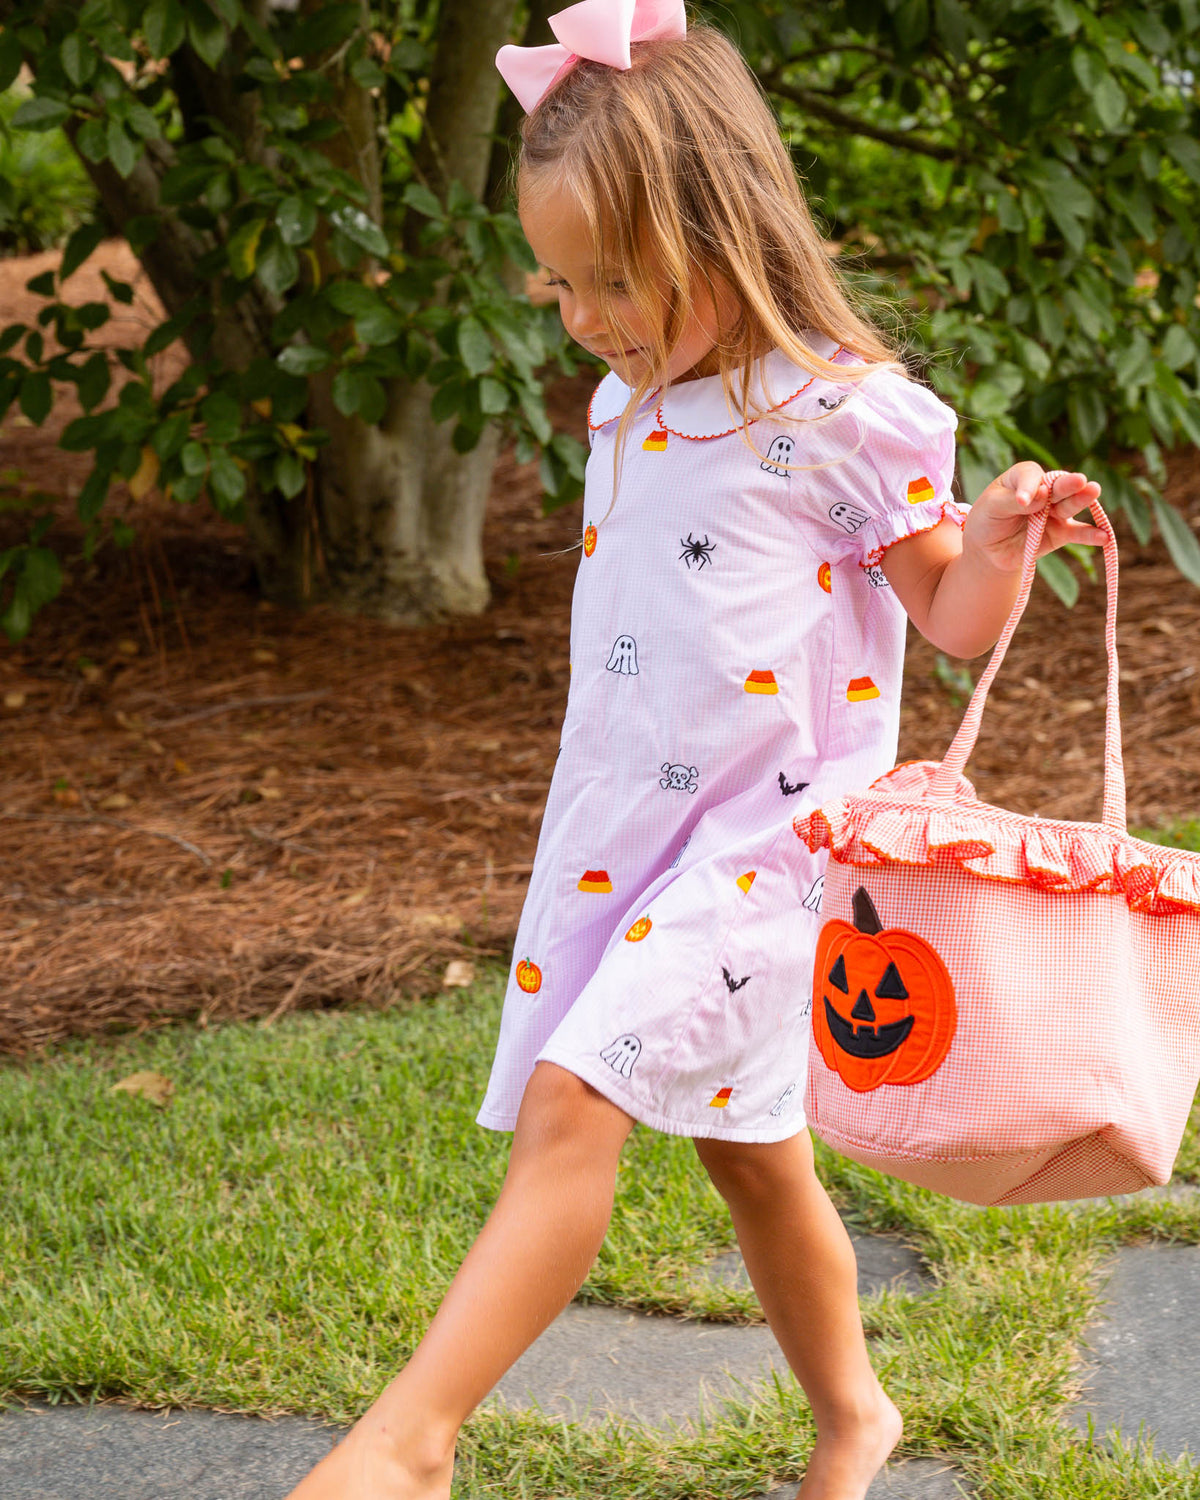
{"x":214,"y":808}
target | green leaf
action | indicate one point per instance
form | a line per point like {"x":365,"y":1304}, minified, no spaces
{"x":327,"y":26}
{"x":193,"y":458}
{"x":122,"y":150}
{"x":79,"y":247}
{"x":226,"y":482}
{"x":1133,"y":365}
{"x":278,"y":265}
{"x":242,"y":248}
{"x":351,"y":297}
{"x":42,"y":285}
{"x":474,"y":346}
{"x":93,"y":381}
{"x":35,"y":396}
{"x":953,"y":26}
{"x":1178,"y":348}
{"x":378,"y":325}
{"x":170,"y":435}
{"x":119,"y":291}
{"x":303,"y":359}
{"x":10,"y":58}
{"x":1087,"y":414}
{"x":493,"y":397}
{"x":40,"y":113}
{"x":1185,"y":151}
{"x":92,"y":140}
{"x":290,"y":474}
{"x":78,"y":58}
{"x":1058,"y":575}
{"x":417,"y":196}
{"x":222,"y":417}
{"x":1180,"y":539}
{"x":94,"y":493}
{"x":164,"y":27}
{"x":361,"y":229}
{"x":297,"y":220}
{"x":38,"y":581}
{"x":206,"y":33}
{"x":534,"y":406}
{"x":354,"y":391}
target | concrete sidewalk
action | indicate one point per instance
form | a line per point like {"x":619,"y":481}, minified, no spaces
{"x":596,"y":1360}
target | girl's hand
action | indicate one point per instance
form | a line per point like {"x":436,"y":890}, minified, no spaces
{"x":995,"y":525}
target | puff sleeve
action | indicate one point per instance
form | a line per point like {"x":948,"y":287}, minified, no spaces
{"x":888,"y":468}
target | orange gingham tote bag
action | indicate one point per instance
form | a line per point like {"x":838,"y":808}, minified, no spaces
{"x":1005,"y":1008}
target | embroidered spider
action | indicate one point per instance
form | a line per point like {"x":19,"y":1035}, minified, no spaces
{"x":696,"y":552}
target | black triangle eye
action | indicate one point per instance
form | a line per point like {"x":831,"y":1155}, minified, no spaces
{"x":891,"y":986}
{"x":837,"y":975}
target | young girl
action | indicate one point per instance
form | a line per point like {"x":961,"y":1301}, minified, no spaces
{"x":768,"y":496}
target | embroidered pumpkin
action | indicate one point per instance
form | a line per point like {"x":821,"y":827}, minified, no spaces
{"x":529,"y":976}
{"x":589,"y":539}
{"x":883,"y":1002}
{"x":639,"y":930}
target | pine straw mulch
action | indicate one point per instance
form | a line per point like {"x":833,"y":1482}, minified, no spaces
{"x":216,"y":809}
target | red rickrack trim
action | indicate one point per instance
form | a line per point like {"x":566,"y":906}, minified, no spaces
{"x":890,"y":825}
{"x":704,"y":437}
{"x":948,"y":510}
{"x":596,"y":426}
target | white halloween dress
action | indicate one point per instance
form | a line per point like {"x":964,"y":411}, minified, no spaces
{"x":736,"y":660}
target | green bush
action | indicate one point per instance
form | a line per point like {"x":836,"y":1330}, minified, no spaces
{"x":44,"y":191}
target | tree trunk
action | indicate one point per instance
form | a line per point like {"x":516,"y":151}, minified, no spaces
{"x":392,"y":524}
{"x":399,"y":513}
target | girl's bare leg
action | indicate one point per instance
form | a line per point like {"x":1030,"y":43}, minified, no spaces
{"x":526,"y":1265}
{"x":801,"y":1263}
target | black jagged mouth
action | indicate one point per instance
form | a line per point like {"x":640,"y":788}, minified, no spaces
{"x":867,"y":1041}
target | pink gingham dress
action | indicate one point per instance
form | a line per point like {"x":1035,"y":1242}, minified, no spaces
{"x":736,"y":659}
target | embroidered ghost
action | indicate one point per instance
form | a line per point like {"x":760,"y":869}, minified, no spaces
{"x":848,"y":517}
{"x":623,"y":656}
{"x":812,"y":902}
{"x":779,"y":453}
{"x":876,"y":577}
{"x":678,"y":778}
{"x":778,"y":1107}
{"x":622,"y":1054}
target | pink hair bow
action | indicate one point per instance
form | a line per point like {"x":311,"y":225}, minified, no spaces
{"x":600,"y":30}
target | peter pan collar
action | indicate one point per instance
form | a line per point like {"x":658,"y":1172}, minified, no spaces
{"x":699,"y":409}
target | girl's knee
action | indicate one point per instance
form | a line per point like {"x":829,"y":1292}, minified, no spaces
{"x":560,"y":1110}
{"x":750,"y":1169}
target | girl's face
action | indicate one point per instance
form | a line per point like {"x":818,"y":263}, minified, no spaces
{"x":558,"y":232}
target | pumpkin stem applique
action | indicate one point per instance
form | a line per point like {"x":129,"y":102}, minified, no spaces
{"x":883,"y":1002}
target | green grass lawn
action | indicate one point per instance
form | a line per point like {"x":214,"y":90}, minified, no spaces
{"x":277,"y":1236}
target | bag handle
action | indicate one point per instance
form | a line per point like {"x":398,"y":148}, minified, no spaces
{"x":943,"y":781}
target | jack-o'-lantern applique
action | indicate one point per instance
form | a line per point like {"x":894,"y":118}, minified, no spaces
{"x":589,"y":539}
{"x":883,"y":1002}
{"x":639,"y":930}
{"x":529,"y":976}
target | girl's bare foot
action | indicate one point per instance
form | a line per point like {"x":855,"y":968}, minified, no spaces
{"x":366,"y":1466}
{"x":848,"y":1455}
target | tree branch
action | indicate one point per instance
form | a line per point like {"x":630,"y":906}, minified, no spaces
{"x":832,"y":115}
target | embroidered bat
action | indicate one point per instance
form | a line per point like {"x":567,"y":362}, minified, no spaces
{"x":734,"y":984}
{"x":787,"y":788}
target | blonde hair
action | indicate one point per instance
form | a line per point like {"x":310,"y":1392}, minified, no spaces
{"x":687,"y":188}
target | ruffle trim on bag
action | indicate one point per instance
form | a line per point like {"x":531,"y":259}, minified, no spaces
{"x":918,"y":521}
{"x":892,"y":824}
